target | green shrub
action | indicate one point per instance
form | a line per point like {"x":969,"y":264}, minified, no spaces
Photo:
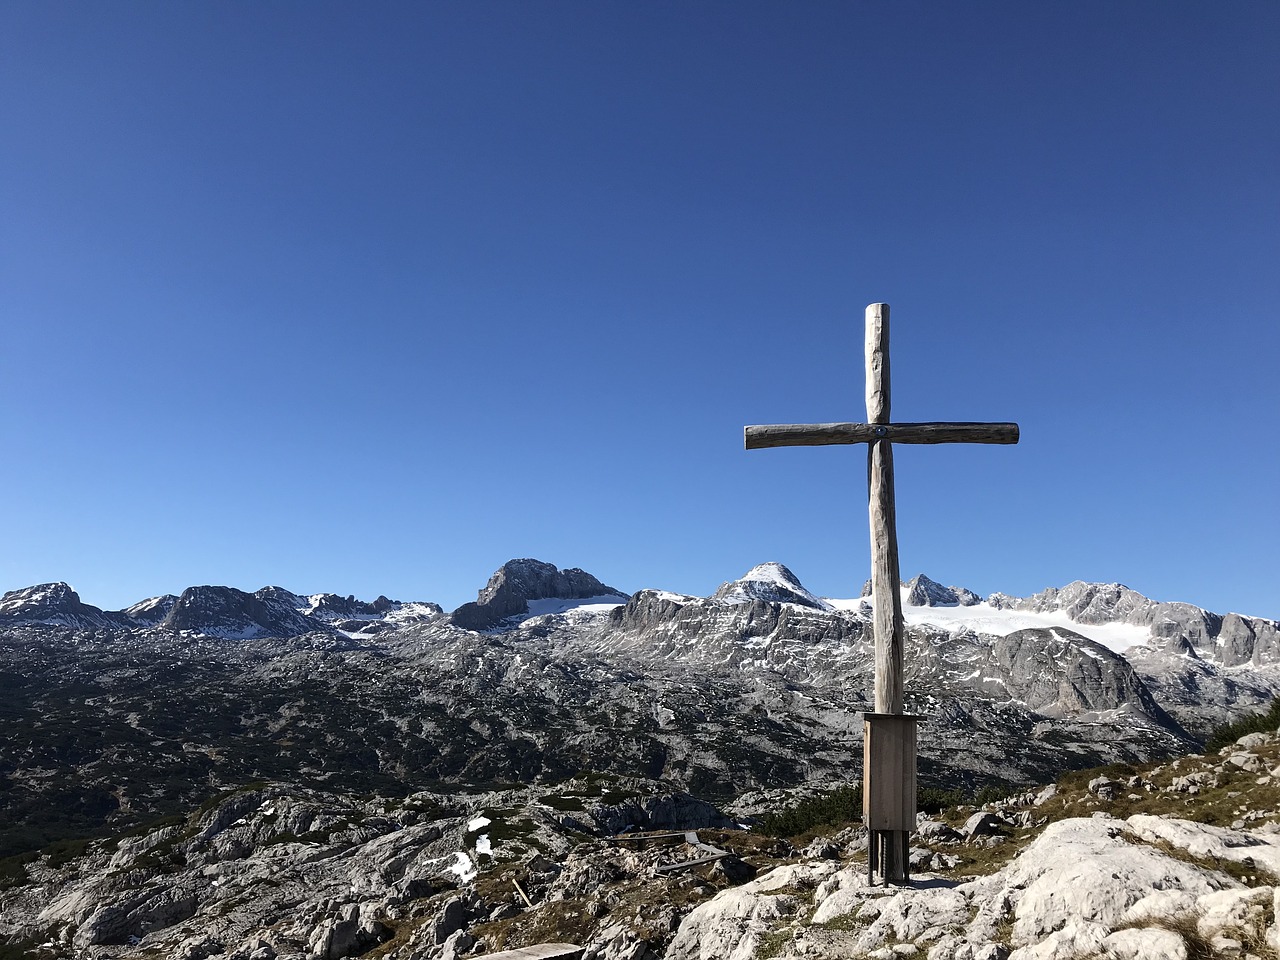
{"x":843,"y":806}
{"x":835,"y":809}
{"x":1265,"y":722}
{"x":936,"y":799}
{"x":18,"y":949}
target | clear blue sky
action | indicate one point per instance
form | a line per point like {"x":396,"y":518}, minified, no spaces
{"x":370,"y":298}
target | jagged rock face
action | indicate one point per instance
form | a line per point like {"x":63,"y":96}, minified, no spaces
{"x":233,"y":614}
{"x":330,"y":606}
{"x":1089,"y":602}
{"x":1247,"y":640}
{"x":516,"y":582}
{"x":794,"y":640}
{"x":1178,"y":628}
{"x":152,"y":611}
{"x":1059,"y":676}
{"x":53,"y":603}
{"x":920,"y":591}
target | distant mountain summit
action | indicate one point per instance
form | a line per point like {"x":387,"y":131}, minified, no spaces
{"x":152,"y":611}
{"x":55,"y":604}
{"x":920,"y":591}
{"x":215,"y":611}
{"x":1180,"y":628}
{"x":516,"y":582}
{"x":772,"y":583}
{"x":235,"y":615}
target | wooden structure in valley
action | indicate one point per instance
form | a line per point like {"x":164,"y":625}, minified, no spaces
{"x":540,"y":951}
{"x":889,"y":736}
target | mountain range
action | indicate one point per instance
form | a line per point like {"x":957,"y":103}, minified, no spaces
{"x":112,"y":717}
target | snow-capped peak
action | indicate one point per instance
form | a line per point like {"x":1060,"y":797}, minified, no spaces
{"x":771,"y":582}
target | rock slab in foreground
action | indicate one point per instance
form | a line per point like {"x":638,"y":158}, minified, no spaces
{"x":1084,"y":887}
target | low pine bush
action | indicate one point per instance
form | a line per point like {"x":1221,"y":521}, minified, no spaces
{"x":1267,"y":721}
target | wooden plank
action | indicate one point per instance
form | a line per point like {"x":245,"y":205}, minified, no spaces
{"x":520,"y":890}
{"x":889,"y":772}
{"x":763,"y":436}
{"x":682,"y":864}
{"x":540,"y":951}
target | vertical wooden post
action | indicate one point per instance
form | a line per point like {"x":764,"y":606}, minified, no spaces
{"x":885,"y":577}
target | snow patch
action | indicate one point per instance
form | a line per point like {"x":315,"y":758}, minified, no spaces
{"x":556,"y":605}
{"x":769,"y":581}
{"x":983,"y":618}
{"x":463,"y":867}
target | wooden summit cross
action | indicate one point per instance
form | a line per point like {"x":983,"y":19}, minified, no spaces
{"x":889,"y":736}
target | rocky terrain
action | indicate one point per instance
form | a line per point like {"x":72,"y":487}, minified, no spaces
{"x":1172,"y":860}
{"x":306,"y":729}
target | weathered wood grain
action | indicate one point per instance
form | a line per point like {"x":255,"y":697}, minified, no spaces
{"x":885,"y":579}
{"x":886,"y":594}
{"x":889,"y":772}
{"x":877,"y":355}
{"x":761,"y":436}
{"x":540,"y":951}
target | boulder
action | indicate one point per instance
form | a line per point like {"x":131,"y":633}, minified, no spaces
{"x":1145,"y":944}
{"x":451,"y":918}
{"x":732,"y":924}
{"x":981,"y":824}
{"x":1079,"y":872}
{"x":935,"y":831}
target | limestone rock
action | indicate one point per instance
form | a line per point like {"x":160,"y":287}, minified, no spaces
{"x":1145,"y":944}
{"x":1059,"y":674}
{"x":770,"y":583}
{"x":920,"y":591}
{"x":452,"y":917}
{"x":1204,"y":840}
{"x":1080,"y":871}
{"x":1104,"y":788}
{"x":665,"y":812}
{"x":935,"y":831}
{"x":1251,"y":740}
{"x":981,"y":824}
{"x":821,"y":848}
{"x":734,"y":870}
{"x":731,"y":925}
{"x":516,"y":582}
{"x":456,"y":945}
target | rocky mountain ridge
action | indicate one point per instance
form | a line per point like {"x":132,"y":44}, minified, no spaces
{"x":213,"y":611}
{"x":758,"y":686}
{"x":273,"y":612}
{"x":507,"y":594}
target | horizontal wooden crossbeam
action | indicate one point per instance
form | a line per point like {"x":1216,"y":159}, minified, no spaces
{"x":820,"y":434}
